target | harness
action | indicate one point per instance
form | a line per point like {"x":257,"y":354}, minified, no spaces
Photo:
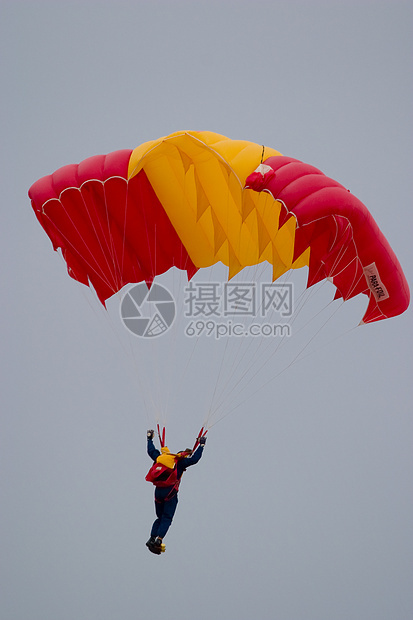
{"x":163,"y":473}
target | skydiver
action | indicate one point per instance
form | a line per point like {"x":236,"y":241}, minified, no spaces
{"x":166,"y":497}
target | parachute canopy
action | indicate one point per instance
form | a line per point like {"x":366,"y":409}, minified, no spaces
{"x":192,"y":199}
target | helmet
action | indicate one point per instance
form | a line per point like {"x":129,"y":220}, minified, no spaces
{"x":183,"y":454}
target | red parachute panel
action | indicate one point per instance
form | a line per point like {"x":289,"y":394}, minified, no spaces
{"x":346,"y":244}
{"x":111,"y":231}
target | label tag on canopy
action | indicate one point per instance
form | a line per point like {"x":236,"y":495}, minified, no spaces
{"x":375,"y":284}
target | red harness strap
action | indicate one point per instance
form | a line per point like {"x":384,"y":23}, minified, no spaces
{"x":170,"y":494}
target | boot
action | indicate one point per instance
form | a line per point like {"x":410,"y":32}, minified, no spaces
{"x":159,"y":545}
{"x":151,"y":545}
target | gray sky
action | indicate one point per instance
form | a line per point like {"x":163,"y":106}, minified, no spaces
{"x":302,"y":505}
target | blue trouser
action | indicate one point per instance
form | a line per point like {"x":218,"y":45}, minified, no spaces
{"x":165,"y":511}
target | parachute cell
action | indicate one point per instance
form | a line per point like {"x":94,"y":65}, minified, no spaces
{"x":346,"y":244}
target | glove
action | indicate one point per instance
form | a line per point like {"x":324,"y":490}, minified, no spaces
{"x":202,"y":441}
{"x":150,"y":434}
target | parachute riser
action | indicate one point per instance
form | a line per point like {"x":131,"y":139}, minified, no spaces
{"x":161,"y":435}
